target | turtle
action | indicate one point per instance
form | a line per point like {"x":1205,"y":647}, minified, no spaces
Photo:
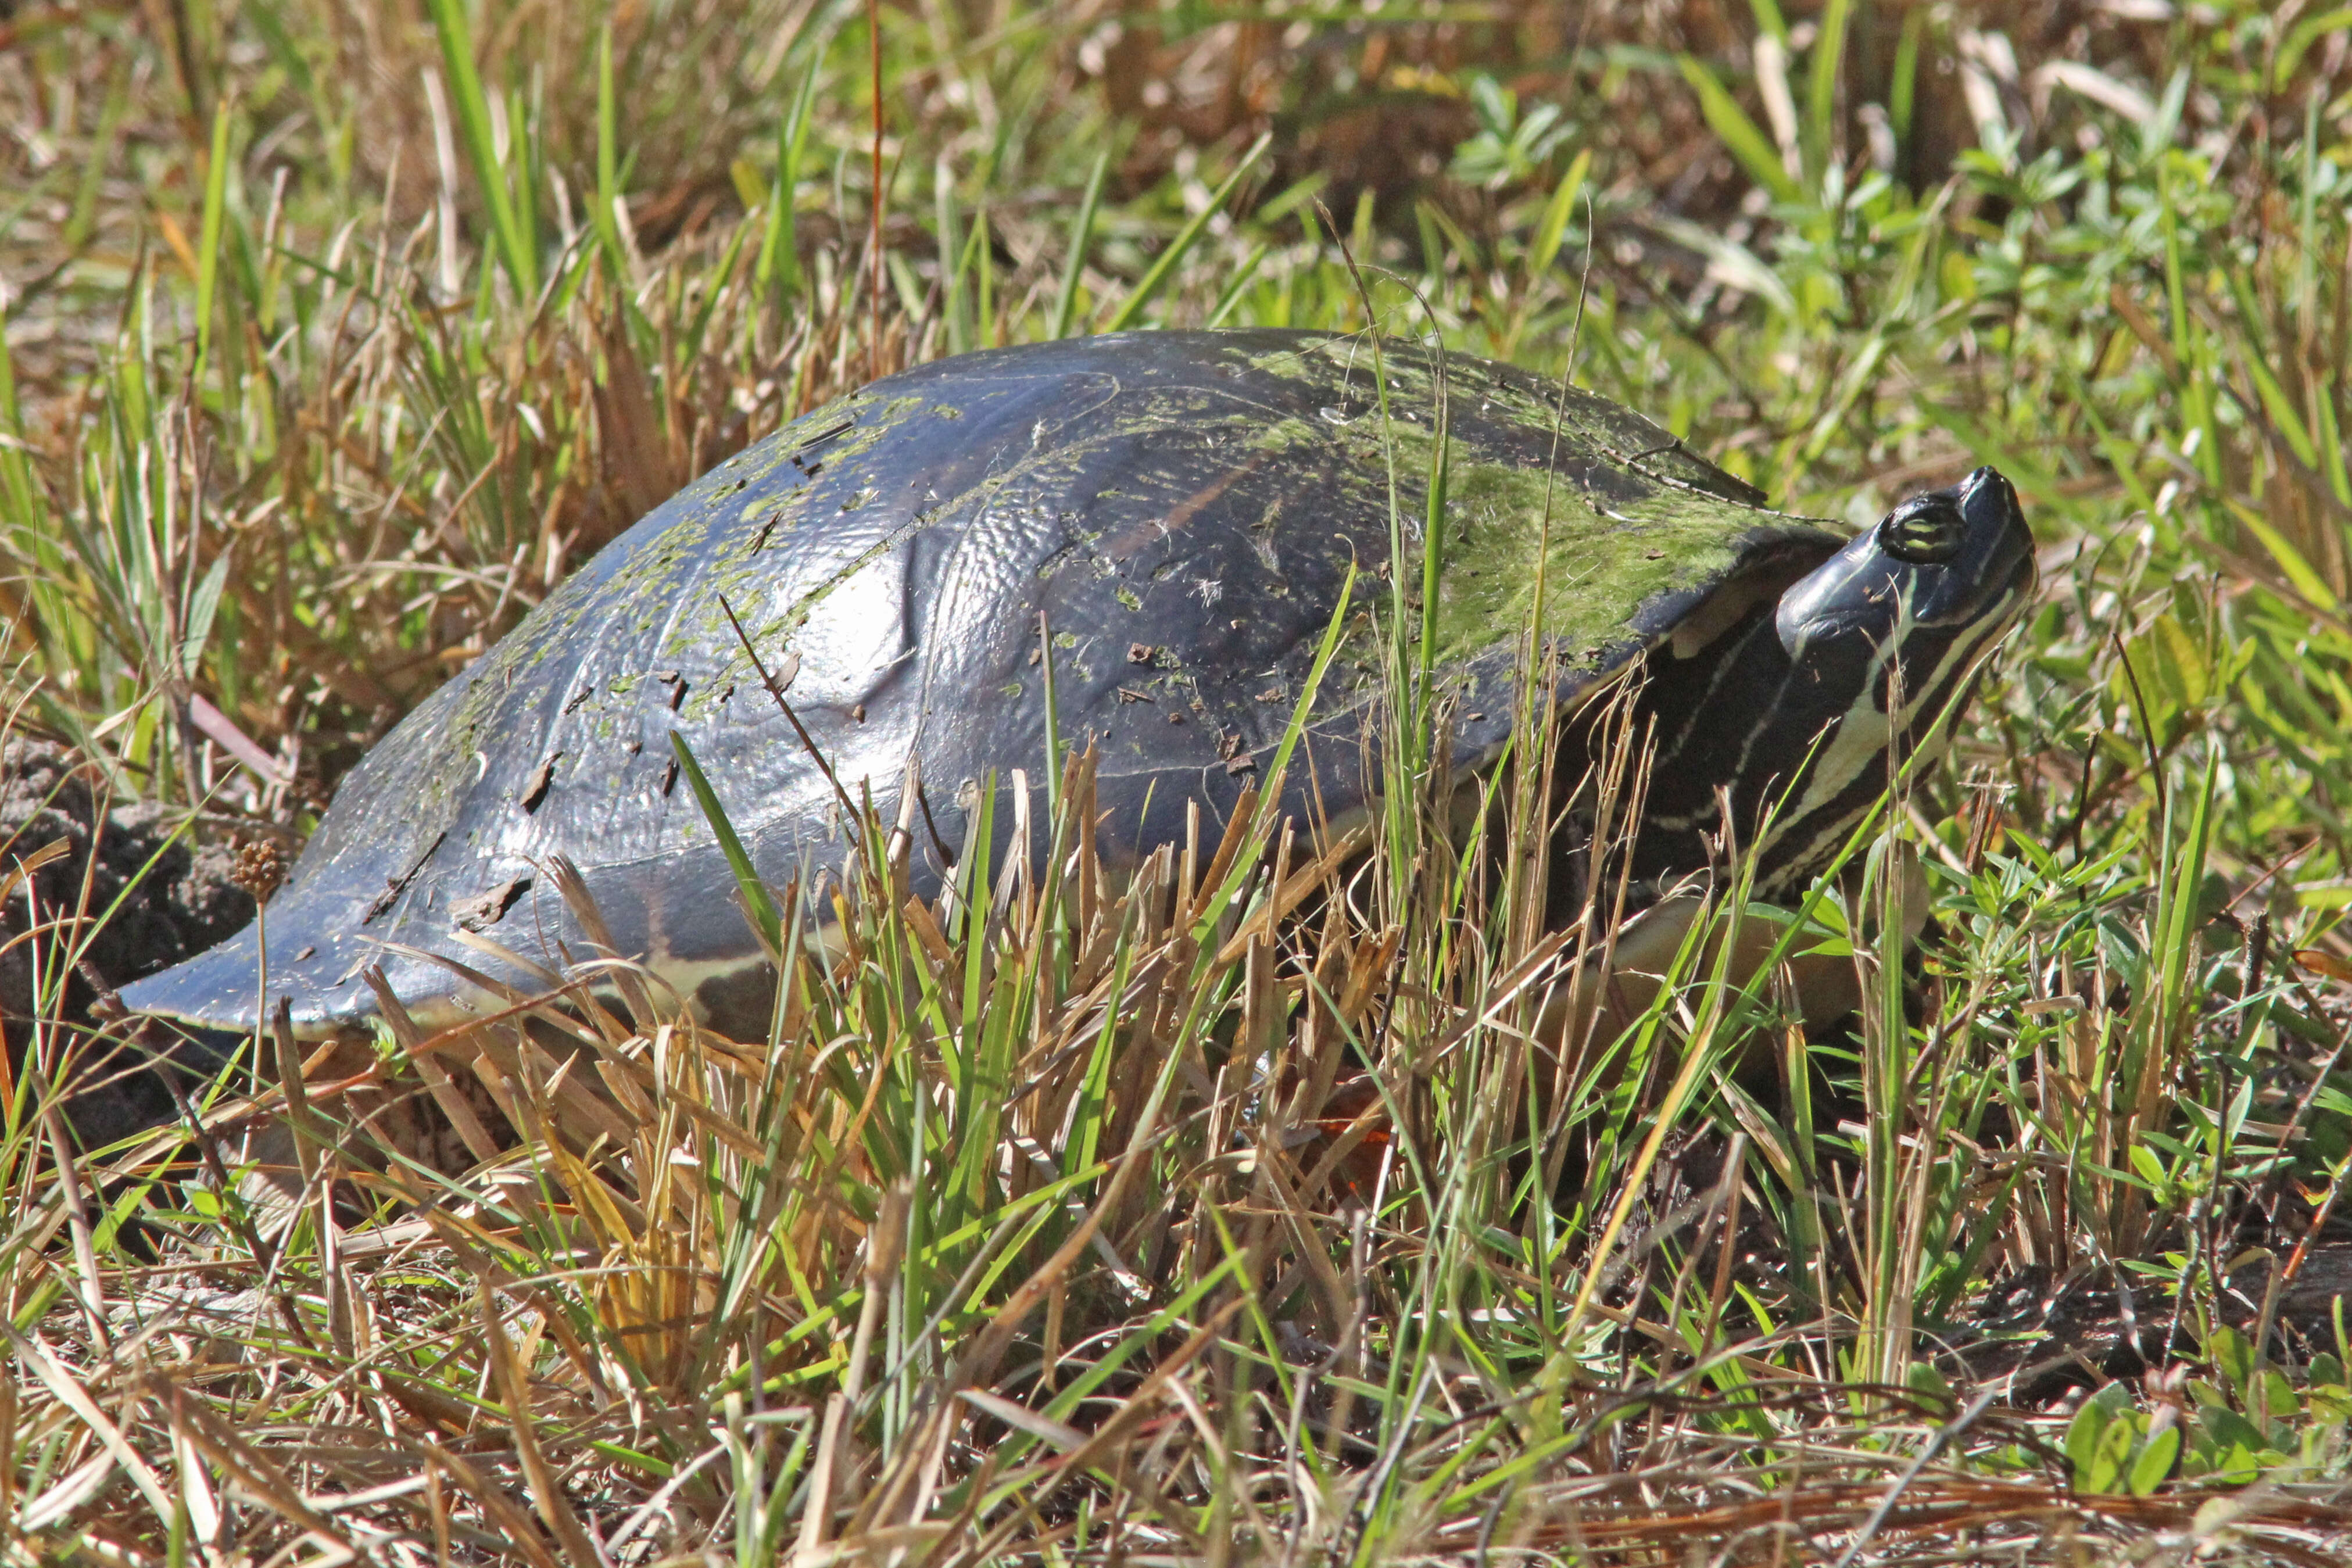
{"x":1152,"y":529}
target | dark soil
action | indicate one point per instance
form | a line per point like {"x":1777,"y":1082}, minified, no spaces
{"x":131,"y":899}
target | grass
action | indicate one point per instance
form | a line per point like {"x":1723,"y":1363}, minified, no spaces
{"x":1229,"y":1213}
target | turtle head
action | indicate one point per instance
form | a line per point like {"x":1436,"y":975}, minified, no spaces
{"x":1796,"y":704}
{"x":1933,"y":582}
{"x":1800,"y":711}
{"x":1877,"y":643}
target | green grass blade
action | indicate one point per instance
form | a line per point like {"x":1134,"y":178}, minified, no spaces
{"x":208,"y":245}
{"x":2178,"y":935}
{"x":1053,"y":725}
{"x":1557,"y":213}
{"x":201,"y":610}
{"x":981,"y":250}
{"x":1157,"y":274}
{"x":766,"y":918}
{"x":608,"y":156}
{"x":953,"y":310}
{"x":104,"y":149}
{"x":17,"y":485}
{"x":473,"y":108}
{"x":1298,"y":195}
{"x":1821,"y":88}
{"x":1432,"y":545}
{"x":778,"y":268}
{"x":1082,"y":233}
{"x":1278,"y":770}
{"x":2299,"y":39}
{"x":1243,"y":276}
{"x":2331,"y":451}
{"x":2282,"y":410}
{"x":1742,"y":138}
{"x":523,"y":175}
{"x":1903,"y":89}
{"x":721,"y":277}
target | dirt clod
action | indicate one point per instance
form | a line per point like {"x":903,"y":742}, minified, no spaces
{"x":174,"y":901}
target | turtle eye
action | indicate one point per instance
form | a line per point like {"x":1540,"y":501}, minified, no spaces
{"x":1923,"y":532}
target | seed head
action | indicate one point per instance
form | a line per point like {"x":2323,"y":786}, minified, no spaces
{"x":260,"y":868}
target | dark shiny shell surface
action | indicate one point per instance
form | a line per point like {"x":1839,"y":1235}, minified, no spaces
{"x":1180,"y":508}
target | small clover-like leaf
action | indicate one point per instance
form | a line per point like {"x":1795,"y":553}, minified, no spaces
{"x":2154,"y":1462}
{"x":2108,"y":1456}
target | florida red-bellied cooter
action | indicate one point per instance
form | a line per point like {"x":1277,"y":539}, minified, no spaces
{"x":1179,"y":510}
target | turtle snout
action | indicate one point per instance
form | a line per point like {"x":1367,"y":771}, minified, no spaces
{"x":1987,"y":493}
{"x":1997,"y":532}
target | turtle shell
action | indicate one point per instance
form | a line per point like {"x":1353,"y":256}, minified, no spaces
{"x":1173,"y":512}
